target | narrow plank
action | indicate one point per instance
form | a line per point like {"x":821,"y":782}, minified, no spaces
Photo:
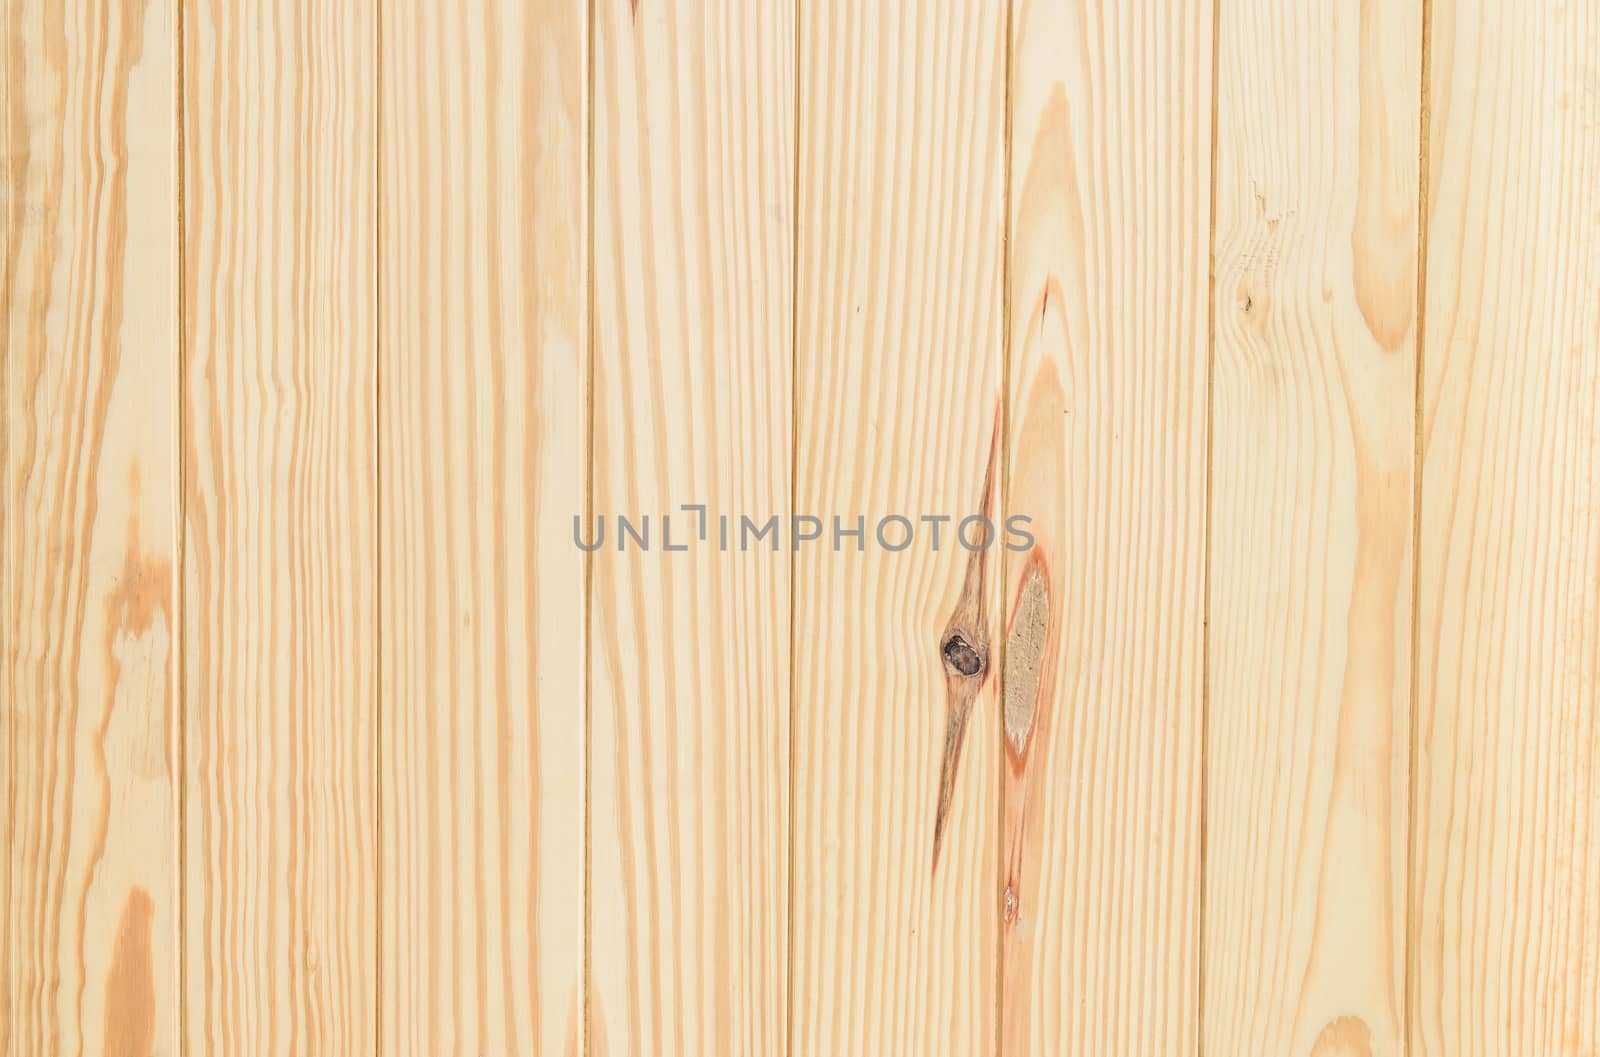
{"x":1311,"y":529}
{"x":483,"y":369}
{"x":280,"y":821}
{"x":1110,"y":188}
{"x":1506,"y":877}
{"x":693,"y":315}
{"x":898,"y":378}
{"x":89,"y":494}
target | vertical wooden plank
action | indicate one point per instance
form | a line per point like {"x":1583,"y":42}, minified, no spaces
{"x":693,"y":315}
{"x":898,"y":374}
{"x":1506,"y":878}
{"x":483,"y":423}
{"x":89,"y":491}
{"x":279,"y":542}
{"x":1102,"y":701}
{"x":1311,"y":537}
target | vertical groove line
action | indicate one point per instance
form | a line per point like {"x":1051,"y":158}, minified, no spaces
{"x":377,"y":522}
{"x":588,"y":559}
{"x":180,"y":633}
{"x":794,"y":487}
{"x":1005,"y":562}
{"x":8,"y":518}
{"x":1205,"y":589}
{"x":1424,"y":131}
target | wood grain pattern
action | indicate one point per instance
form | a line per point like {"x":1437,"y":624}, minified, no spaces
{"x":898,"y":368}
{"x":693,"y":252}
{"x":484,"y":388}
{"x":327,"y":325}
{"x":1505,"y":919}
{"x":1110,"y":186}
{"x":89,"y":490}
{"x":279,"y":543}
{"x":1311,"y":550}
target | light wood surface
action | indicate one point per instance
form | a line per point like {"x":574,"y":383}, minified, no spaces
{"x":693,"y":257}
{"x":1110,"y":195}
{"x":483,"y":383}
{"x":1309,"y":687}
{"x":897,"y":368}
{"x":88,"y":609}
{"x":279,"y":548}
{"x":1505,"y":910}
{"x":326,"y":323}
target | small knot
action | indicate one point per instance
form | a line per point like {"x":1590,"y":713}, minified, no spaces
{"x":961,"y":656}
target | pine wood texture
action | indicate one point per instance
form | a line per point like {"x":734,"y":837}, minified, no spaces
{"x":693,"y":256}
{"x":279,"y":548}
{"x":89,"y":635}
{"x":1110,"y":190}
{"x":1505,"y":912}
{"x":1311,"y":527}
{"x":332,"y":329}
{"x":483,"y":384}
{"x":898,"y":367}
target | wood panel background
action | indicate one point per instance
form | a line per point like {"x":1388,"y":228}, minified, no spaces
{"x":333,"y":330}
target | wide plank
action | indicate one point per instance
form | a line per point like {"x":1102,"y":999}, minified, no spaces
{"x":279,"y":541}
{"x":88,"y":500}
{"x":1103,"y":616}
{"x":1505,"y":897}
{"x":1311,"y":526}
{"x":483,"y":376}
{"x":898,"y":414}
{"x":693,"y":316}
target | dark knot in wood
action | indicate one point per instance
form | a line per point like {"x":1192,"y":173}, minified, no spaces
{"x":961,"y":656}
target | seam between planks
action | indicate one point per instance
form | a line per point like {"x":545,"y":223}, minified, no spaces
{"x":794,"y":500}
{"x":1205,"y":578}
{"x":377,"y":524}
{"x":7,"y":518}
{"x":1424,"y":129}
{"x":588,"y":507}
{"x":179,"y":704}
{"x":1004,"y":578}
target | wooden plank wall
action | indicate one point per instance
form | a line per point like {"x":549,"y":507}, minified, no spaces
{"x":329,"y":325}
